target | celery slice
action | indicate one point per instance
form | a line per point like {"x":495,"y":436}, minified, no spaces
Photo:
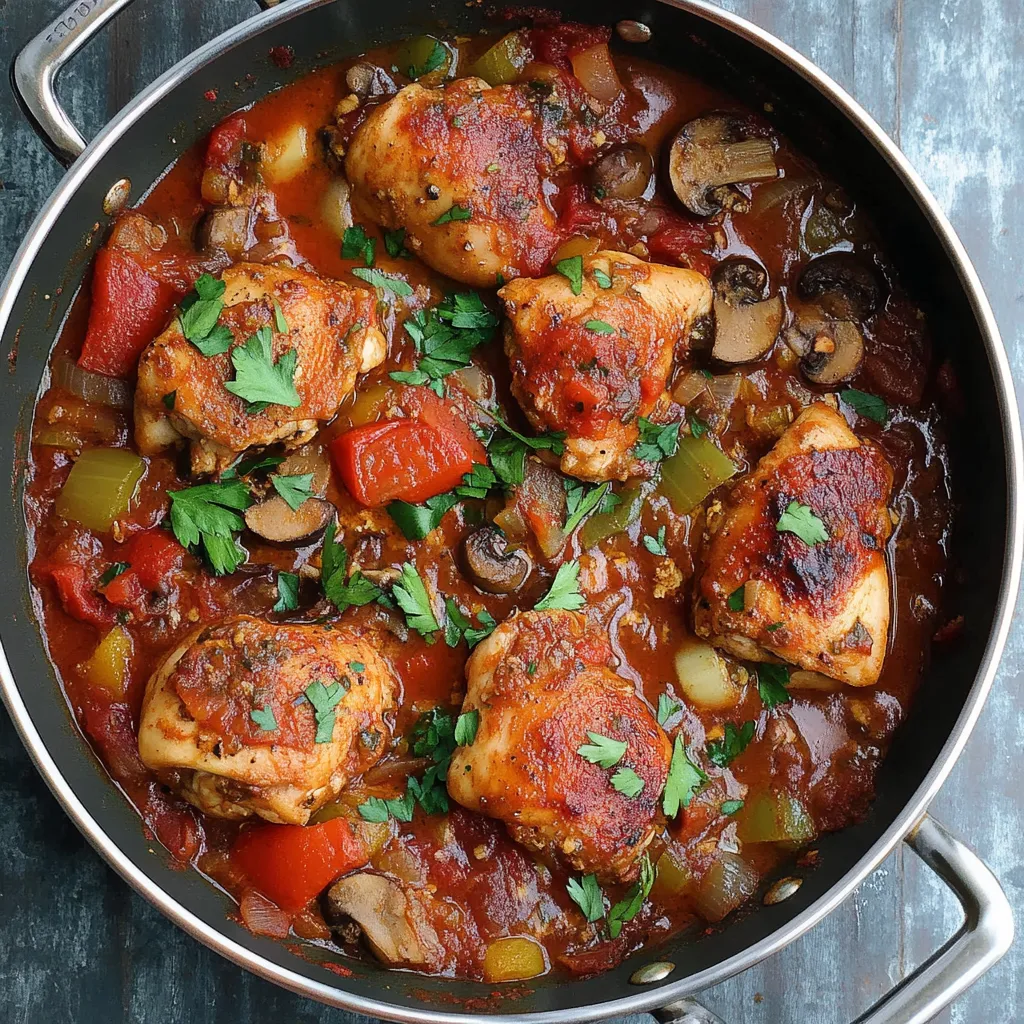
{"x":696,"y":469}
{"x":100,"y":486}
{"x":502,"y":63}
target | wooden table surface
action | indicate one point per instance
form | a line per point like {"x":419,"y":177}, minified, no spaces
{"x":945,"y":78}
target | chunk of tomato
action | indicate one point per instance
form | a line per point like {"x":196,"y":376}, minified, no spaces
{"x":291,"y":864}
{"x":403,"y":459}
{"x":79,"y":598}
{"x":151,"y":556}
{"x":129,"y":308}
{"x":224,"y":150}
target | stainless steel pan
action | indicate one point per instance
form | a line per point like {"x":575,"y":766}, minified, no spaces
{"x":171,"y":114}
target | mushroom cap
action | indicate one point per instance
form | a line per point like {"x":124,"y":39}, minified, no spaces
{"x":843,"y":284}
{"x":489,"y":565}
{"x":830,"y":351}
{"x":746,"y":323}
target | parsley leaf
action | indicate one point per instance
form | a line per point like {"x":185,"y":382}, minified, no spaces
{"x":258,"y":379}
{"x":580,"y":502}
{"x":698,"y":428}
{"x":736,"y":601}
{"x":412,"y":598}
{"x":572,"y":270}
{"x":287,"y":592}
{"x":627,"y":782}
{"x":477,"y":482}
{"x":245,"y":467}
{"x":731,"y":806}
{"x":602,"y":750}
{"x":866,"y":404}
{"x":294,"y":489}
{"x":280,"y":324}
{"x":416,"y":521}
{"x":264,"y":718}
{"x":485,"y":629}
{"x":601,"y":278}
{"x":466,"y":726}
{"x":324,"y":700}
{"x":437,"y":56}
{"x":357,"y":245}
{"x":198,"y":317}
{"x":565,"y":590}
{"x":587,"y":895}
{"x":394,"y":243}
{"x":771,"y":684}
{"x":208,"y":514}
{"x":667,"y":707}
{"x":433,"y":735}
{"x":554,"y":441}
{"x":112,"y":572}
{"x":343,"y":593}
{"x":599,"y":327}
{"x":453,"y":213}
{"x":458,"y":625}
{"x":629,"y":906}
{"x":724,"y":751}
{"x":379,"y":279}
{"x":400,"y":808}
{"x":800,"y":520}
{"x":657,"y":441}
{"x":169,"y":399}
{"x":684,"y":779}
{"x":656,"y":544}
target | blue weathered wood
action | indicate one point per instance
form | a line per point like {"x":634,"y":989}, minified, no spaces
{"x":945,"y":78}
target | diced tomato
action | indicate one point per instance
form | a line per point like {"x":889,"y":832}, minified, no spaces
{"x":404,"y":459}
{"x":682,"y":241}
{"x":291,"y":864}
{"x":129,"y":307}
{"x":557,"y":43}
{"x":580,"y":216}
{"x":125,"y":591}
{"x":224,"y":150}
{"x":151,"y":556}
{"x":79,"y":598}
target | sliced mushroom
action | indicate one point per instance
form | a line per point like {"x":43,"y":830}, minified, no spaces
{"x":490,"y":566}
{"x":712,"y":153}
{"x":309,"y":458}
{"x":830,"y":350}
{"x":366,"y":80}
{"x":391,"y":919}
{"x":624,"y":172}
{"x":842,"y":284}
{"x":274,"y":520}
{"x":225,"y":229}
{"x":746,"y":323}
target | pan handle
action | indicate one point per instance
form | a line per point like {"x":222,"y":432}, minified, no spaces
{"x":37,"y":66}
{"x":984,"y":937}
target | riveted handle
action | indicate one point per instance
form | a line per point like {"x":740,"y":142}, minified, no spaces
{"x":37,"y":66}
{"x":984,"y":937}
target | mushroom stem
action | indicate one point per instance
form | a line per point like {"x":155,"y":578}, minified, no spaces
{"x":750,"y":160}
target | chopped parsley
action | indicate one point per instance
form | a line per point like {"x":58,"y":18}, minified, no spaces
{"x":169,"y":399}
{"x":629,"y":906}
{"x":260,"y":381}
{"x":587,"y":895}
{"x":287,"y":592}
{"x":580,"y":501}
{"x":394,"y":244}
{"x":280,"y":324}
{"x":416,"y":521}
{"x":453,"y":213}
{"x":656,"y":544}
{"x":735,"y":740}
{"x":800,"y":520}
{"x":731,"y":807}
{"x":572,"y":270}
{"x":324,"y":700}
{"x":628,"y":783}
{"x":264,"y":718}
{"x":657,"y":441}
{"x":294,"y":489}
{"x":353,"y":591}
{"x":377,"y":810}
{"x":772,"y":681}
{"x":411,"y":595}
{"x":508,"y":453}
{"x":112,"y":572}
{"x":601,"y":278}
{"x":698,"y":428}
{"x":565,"y":590}
{"x":387,"y":282}
{"x":602,"y":750}
{"x":200,"y":311}
{"x":458,"y":626}
{"x":207,"y":515}
{"x":466,"y":726}
{"x":599,"y":327}
{"x":866,"y":404}
{"x":667,"y":707}
{"x":736,"y":601}
{"x":684,"y":779}
{"x":357,"y":245}
{"x":437,"y":56}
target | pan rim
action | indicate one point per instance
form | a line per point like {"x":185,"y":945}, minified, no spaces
{"x":140,"y":879}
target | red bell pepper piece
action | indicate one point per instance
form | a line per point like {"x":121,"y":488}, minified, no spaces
{"x":129,"y":308}
{"x":79,"y":598}
{"x":404,"y":459}
{"x":291,"y":864}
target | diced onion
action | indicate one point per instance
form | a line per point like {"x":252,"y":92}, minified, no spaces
{"x":578,"y":245}
{"x":107,"y":668}
{"x":92,"y":387}
{"x":696,"y":469}
{"x":690,"y":388}
{"x":729,"y":882}
{"x":99,"y":487}
{"x":261,"y":917}
{"x":777,"y":192}
{"x":704,"y":677}
{"x":514,"y":959}
{"x":673,"y":876}
{"x":335,"y":207}
{"x":286,"y":156}
{"x":805,"y":680}
{"x":596,"y":73}
{"x":724,"y":390}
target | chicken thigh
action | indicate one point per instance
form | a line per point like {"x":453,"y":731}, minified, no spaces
{"x":248,"y":717}
{"x":469,"y":172}
{"x":802,"y":541}
{"x":591,"y":364}
{"x":182,"y":393}
{"x":543,"y":688}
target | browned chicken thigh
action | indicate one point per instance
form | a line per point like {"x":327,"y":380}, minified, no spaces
{"x":182,"y":393}
{"x":543,"y":688}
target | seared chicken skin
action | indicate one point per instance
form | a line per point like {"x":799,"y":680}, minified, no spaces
{"x":480,"y":159}
{"x":198,"y":731}
{"x":591,"y":364}
{"x":540,"y":682}
{"x":822,"y":606}
{"x":181,"y":393}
